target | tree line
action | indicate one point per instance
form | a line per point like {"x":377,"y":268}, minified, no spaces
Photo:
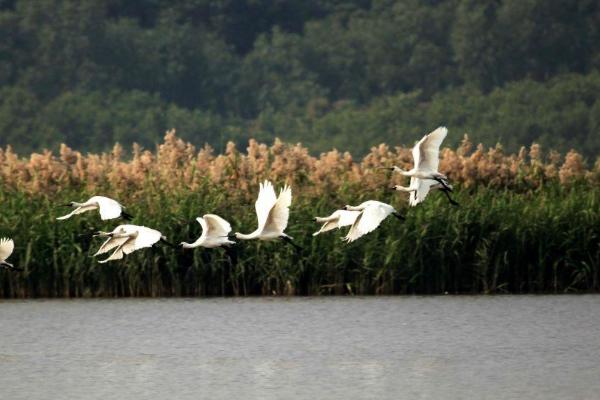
{"x":348,"y":74}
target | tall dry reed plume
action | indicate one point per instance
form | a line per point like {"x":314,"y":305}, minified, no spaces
{"x":176,"y":165}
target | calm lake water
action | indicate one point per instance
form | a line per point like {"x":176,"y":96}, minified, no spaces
{"x":504,"y":347}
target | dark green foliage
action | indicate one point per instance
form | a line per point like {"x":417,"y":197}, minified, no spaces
{"x":496,"y":242}
{"x":88,"y":73}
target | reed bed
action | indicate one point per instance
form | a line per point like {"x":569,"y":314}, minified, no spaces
{"x":528,"y":222}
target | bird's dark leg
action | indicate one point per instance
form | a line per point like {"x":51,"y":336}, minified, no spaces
{"x":454,"y":203}
{"x":289,"y":240}
{"x":443,"y":183}
{"x":126,"y":216}
{"x":399,"y":216}
{"x":10,"y":267}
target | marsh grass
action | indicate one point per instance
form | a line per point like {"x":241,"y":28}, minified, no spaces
{"x":526,"y":224}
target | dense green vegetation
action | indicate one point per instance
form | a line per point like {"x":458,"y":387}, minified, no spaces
{"x":499,"y":241}
{"x":328,"y":73}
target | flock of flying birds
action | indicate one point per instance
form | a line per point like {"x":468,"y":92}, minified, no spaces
{"x":272,"y":212}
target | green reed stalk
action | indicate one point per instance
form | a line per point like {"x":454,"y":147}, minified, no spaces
{"x":498,"y":241}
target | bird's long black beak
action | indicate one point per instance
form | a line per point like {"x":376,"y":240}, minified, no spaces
{"x":103,"y":234}
{"x":86,"y":235}
{"x":63,"y":205}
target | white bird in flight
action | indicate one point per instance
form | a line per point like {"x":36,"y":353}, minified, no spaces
{"x":426,"y":160}
{"x":108,"y":208}
{"x":272,"y":213}
{"x":215,"y":231}
{"x":6,"y":248}
{"x":371,"y":214}
{"x":126,"y":239}
{"x":338,"y":219}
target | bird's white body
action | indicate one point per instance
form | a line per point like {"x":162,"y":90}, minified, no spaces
{"x":426,"y":156}
{"x":371,"y":214}
{"x":338,"y":219}
{"x":6,"y":248}
{"x":126,"y":239}
{"x":272,"y":213}
{"x":214,"y":233}
{"x":108,"y":208}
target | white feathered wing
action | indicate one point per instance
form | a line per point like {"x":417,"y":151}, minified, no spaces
{"x":426,"y":153}
{"x":368,"y":220}
{"x":7,"y":246}
{"x":280,"y":213}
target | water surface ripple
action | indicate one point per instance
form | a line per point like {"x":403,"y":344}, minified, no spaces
{"x":452,"y":347}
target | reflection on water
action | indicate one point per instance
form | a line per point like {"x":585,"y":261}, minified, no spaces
{"x":535,"y":347}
